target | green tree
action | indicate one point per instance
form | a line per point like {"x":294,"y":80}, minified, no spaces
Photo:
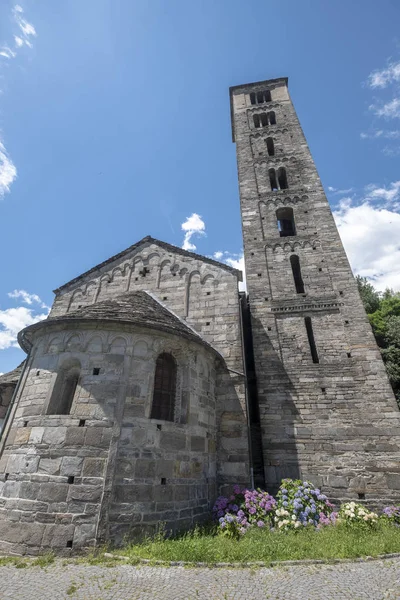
{"x":384,"y":315}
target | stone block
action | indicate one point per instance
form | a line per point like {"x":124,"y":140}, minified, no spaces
{"x":145,"y":469}
{"x":57,"y":536}
{"x":22,"y":435}
{"x":71,"y":465}
{"x":93,"y":467}
{"x":133,"y":493}
{"x":85,"y":493}
{"x":172,"y":441}
{"x":197,"y":443}
{"x":54,"y":435}
{"x":53,"y":492}
{"x":51,"y":466}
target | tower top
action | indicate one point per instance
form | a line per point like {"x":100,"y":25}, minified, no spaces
{"x":249,"y":87}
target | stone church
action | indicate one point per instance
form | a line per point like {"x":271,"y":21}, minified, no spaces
{"x":153,"y":385}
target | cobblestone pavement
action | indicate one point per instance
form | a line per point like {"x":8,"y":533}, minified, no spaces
{"x":353,"y":581}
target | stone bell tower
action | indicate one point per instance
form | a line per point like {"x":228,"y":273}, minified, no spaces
{"x":326,"y":409}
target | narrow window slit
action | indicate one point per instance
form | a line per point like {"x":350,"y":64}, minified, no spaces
{"x":311,"y":340}
{"x":298,"y":280}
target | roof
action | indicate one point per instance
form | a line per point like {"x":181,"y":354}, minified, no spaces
{"x":139,"y":308}
{"x":12,"y":377}
{"x":150,"y":240}
{"x":249,"y":85}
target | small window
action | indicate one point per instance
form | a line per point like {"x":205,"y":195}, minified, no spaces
{"x":264,"y":119}
{"x":65,"y":388}
{"x":163,"y":406}
{"x":253,"y":98}
{"x":282,"y":179}
{"x":264,"y":96}
{"x":311,"y":340}
{"x":286,"y":224}
{"x":256,"y":119}
{"x":272,"y":118}
{"x":270,"y":146}
{"x":298,"y":280}
{"x":273,"y":180}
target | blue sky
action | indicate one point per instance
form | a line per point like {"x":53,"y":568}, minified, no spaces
{"x":115,"y":124}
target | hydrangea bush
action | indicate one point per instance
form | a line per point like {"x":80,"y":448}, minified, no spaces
{"x":392,"y":514}
{"x":352,"y":513}
{"x":300,"y":504}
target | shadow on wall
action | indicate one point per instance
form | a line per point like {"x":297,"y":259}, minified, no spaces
{"x":278,"y":412}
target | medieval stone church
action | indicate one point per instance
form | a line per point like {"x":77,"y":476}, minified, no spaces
{"x":154,"y":385}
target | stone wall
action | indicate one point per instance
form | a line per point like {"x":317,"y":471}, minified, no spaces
{"x":334,"y":422}
{"x":107,"y":470}
{"x":204,"y":294}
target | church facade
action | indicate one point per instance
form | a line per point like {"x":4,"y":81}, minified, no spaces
{"x":154,"y":386}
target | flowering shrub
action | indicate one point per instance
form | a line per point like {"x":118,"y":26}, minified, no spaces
{"x":392,"y":513}
{"x":352,"y":513}
{"x":300,"y":504}
{"x":243,"y":509}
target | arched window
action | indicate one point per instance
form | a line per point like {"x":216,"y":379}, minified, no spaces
{"x":272,"y":118}
{"x":282,"y":179}
{"x":272,"y":180}
{"x":264,"y":119}
{"x":163,"y":406}
{"x":298,"y":280}
{"x":285,"y":220}
{"x":256,"y":119}
{"x":270,"y":146}
{"x":65,"y":388}
{"x":253,"y":98}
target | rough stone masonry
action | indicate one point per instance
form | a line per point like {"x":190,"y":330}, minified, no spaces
{"x":153,"y":385}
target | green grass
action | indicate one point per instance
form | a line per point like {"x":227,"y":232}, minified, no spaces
{"x":267,"y":546}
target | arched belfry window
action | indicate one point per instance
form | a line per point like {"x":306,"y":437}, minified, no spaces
{"x":65,"y":388}
{"x":282,"y":179}
{"x":256,"y":119}
{"x":272,"y":118}
{"x":270,"y":146}
{"x":298,"y":280}
{"x":163,"y":406}
{"x":285,"y":218}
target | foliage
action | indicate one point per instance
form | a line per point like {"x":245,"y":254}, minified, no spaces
{"x":352,"y":514}
{"x":263,"y":544}
{"x":369,"y":295}
{"x":300,"y":504}
{"x":384,"y":315}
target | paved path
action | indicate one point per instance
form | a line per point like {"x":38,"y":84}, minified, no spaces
{"x":375,"y":580}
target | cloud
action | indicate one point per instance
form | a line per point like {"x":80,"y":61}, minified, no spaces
{"x":370,"y":232}
{"x":12,"y":320}
{"x":383,"y":77}
{"x":380,"y":133}
{"x":389,"y":194}
{"x":336,"y":192}
{"x":27,"y":298}
{"x":194,"y":225}
{"x":390,"y":110}
{"x":8,"y":171}
{"x":26,"y":29}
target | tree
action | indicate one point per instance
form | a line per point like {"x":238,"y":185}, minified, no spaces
{"x":384,"y":315}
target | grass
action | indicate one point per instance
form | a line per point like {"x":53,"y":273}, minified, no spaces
{"x":266,"y":546}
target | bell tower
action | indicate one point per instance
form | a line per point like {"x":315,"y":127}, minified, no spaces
{"x":326,"y":409}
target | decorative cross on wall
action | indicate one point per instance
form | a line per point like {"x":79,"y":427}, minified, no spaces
{"x":144,"y":272}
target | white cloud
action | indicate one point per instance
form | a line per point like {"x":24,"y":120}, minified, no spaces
{"x":27,"y":298}
{"x":8,"y":171}
{"x":390,"y":110}
{"x":26,"y":29}
{"x":383,"y":77}
{"x":194,"y":225}
{"x":370,"y":231}
{"x":12,"y":320}
{"x":380,"y":133}
{"x":389,"y":194}
{"x":218,"y":255}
